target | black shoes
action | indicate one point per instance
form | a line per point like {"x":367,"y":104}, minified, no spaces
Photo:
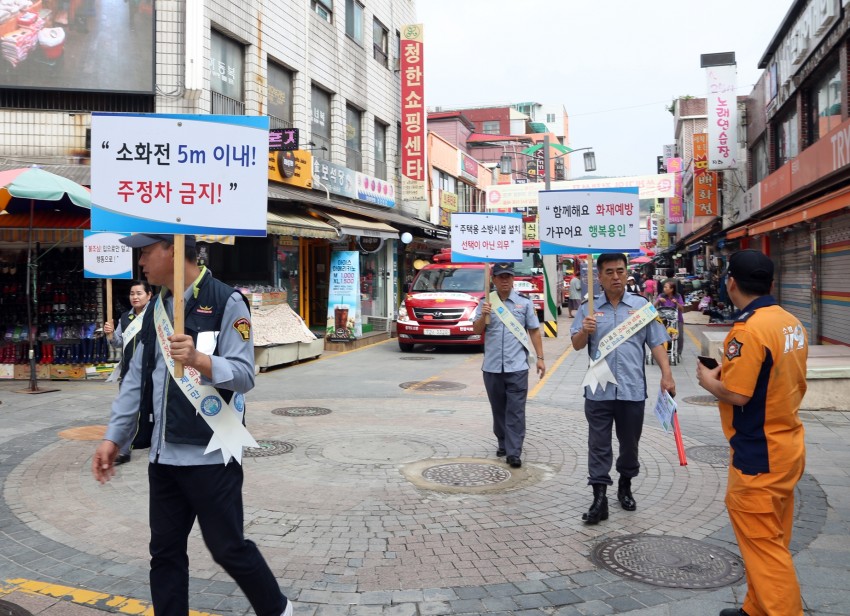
{"x":599,"y":508}
{"x":733,"y":611}
{"x":624,"y":494}
{"x":122,"y":459}
{"x":500,"y":452}
{"x":514,"y":461}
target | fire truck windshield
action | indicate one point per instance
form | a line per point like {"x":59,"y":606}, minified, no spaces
{"x":531,"y":264}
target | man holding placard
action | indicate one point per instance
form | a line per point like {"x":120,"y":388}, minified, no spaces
{"x":511,"y":339}
{"x":616,"y":330}
{"x":197,"y":428}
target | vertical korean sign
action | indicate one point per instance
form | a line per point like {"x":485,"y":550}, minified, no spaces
{"x":589,"y":220}
{"x":722,"y":106}
{"x":413,"y":117}
{"x":344,"y":322}
{"x":700,"y":144}
{"x":705,"y":194}
{"x":190,"y":174}
{"x":675,"y":211}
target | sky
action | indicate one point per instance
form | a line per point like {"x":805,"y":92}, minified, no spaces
{"x":614,"y":65}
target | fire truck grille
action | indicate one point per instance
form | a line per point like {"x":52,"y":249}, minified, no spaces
{"x":438,"y":314}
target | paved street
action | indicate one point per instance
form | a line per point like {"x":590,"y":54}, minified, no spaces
{"x":374,"y":499}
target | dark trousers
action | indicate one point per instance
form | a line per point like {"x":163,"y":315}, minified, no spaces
{"x":507,"y":392}
{"x":627,"y":417}
{"x":213,"y":494}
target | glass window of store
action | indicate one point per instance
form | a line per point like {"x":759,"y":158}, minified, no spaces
{"x":787,"y":143}
{"x":280,"y":96}
{"x":353,"y":139}
{"x":466,"y":198}
{"x":825,"y":104}
{"x":354,"y":20}
{"x":760,"y":162}
{"x":380,"y":150}
{"x":287,"y":271}
{"x":320,"y":121}
{"x":373,"y":276}
{"x":227,"y":59}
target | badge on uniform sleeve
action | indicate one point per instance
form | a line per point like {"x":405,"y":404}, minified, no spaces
{"x":733,"y":349}
{"x":243,"y":326}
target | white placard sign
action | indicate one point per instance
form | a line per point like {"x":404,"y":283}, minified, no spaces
{"x":106,"y":257}
{"x":600,"y":220}
{"x":191,"y":174}
{"x":486,"y":237}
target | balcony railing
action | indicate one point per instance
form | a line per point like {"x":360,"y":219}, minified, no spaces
{"x":275,"y":122}
{"x":225,"y":105}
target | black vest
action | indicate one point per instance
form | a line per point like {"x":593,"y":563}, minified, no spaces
{"x":127,"y":318}
{"x":202,"y":314}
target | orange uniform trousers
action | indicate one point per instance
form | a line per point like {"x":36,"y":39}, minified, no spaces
{"x":761,"y":509}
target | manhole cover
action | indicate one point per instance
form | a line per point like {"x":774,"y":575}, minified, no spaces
{"x":301,"y":411}
{"x":416,"y":358}
{"x":672,"y":562}
{"x":466,"y":475}
{"x":710,"y":454}
{"x":268,"y":448}
{"x":701,"y":400}
{"x":10,"y":609}
{"x":432,"y":385}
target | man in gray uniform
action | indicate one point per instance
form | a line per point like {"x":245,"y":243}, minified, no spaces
{"x":506,"y":352}
{"x":185,"y":483}
{"x":619,"y":404}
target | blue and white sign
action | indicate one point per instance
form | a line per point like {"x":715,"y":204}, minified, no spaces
{"x":486,"y":237}
{"x":104,"y":256}
{"x":589,"y":220}
{"x":191,"y":174}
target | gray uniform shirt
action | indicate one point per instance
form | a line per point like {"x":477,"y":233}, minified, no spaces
{"x":232,"y":368}
{"x":502,"y":351}
{"x":627,"y":360}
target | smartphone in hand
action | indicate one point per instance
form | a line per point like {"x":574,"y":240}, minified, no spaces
{"x":708,"y":362}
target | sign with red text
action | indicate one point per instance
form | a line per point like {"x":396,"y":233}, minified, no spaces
{"x":172,"y":173}
{"x":414,"y":130}
{"x":486,"y":237}
{"x":722,"y":107}
{"x":705,"y":194}
{"x":700,"y":142}
{"x":595,"y":220}
{"x":104,"y":256}
{"x":675,"y":206}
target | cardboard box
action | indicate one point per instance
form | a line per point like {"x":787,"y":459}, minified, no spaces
{"x":67,"y":372}
{"x":22,"y":372}
{"x":42,"y":371}
{"x":7,"y":371}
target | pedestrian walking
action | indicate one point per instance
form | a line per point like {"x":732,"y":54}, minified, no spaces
{"x":632,"y":286}
{"x":575,"y":293}
{"x":511,"y":339}
{"x":650,"y":288}
{"x":671,"y":298}
{"x":125,"y":336}
{"x":185,"y":482}
{"x":617,"y":404}
{"x":760,"y":386}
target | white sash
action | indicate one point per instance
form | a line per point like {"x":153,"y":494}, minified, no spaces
{"x":599,"y":373}
{"x":225,"y":420}
{"x":511,"y":323}
{"x":133,"y":328}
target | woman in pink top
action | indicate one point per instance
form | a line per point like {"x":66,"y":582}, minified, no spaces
{"x":650,"y":288}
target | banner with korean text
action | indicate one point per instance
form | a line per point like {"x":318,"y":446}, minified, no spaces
{"x":596,"y":220}
{"x":492,"y":238}
{"x":722,"y":107}
{"x":705,"y":194}
{"x":173,"y":173}
{"x":414,"y":128}
{"x":104,"y":256}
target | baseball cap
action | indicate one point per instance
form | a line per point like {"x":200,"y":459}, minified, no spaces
{"x":750,"y":266}
{"x":503,"y":268}
{"x":140,"y":240}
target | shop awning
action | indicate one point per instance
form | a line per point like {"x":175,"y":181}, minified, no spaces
{"x":47,"y":227}
{"x":81,"y":174}
{"x":736,"y":233}
{"x":827,"y":204}
{"x":299,"y":225}
{"x":360,"y":227}
{"x":394,"y":218}
{"x":700,"y":233}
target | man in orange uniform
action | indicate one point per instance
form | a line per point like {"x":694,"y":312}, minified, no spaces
{"x":760,"y":387}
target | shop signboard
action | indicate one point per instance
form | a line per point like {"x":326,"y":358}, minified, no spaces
{"x":493,"y":238}
{"x":104,"y":256}
{"x":722,"y":105}
{"x":595,"y":220}
{"x":414,"y":129}
{"x":175,"y":173}
{"x":339,"y":180}
{"x":663,"y":240}
{"x":344,"y":321}
{"x":705,"y":194}
{"x":750,"y":204}
{"x":448,"y":205}
{"x":375,"y":190}
{"x":468,"y":167}
{"x":293,"y":168}
{"x":283,"y":139}
{"x":675,"y":209}
{"x":700,"y":147}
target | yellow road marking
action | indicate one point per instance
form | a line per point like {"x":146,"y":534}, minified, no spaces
{"x":549,"y":373}
{"x":338,"y":353}
{"x":80,"y":596}
{"x":693,"y":338}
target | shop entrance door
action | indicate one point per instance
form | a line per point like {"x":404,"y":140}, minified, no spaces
{"x":373,"y":283}
{"x":318,"y":253}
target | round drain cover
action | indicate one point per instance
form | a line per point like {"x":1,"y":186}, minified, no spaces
{"x":466,"y":474}
{"x":432,"y":385}
{"x":268,"y":448}
{"x":710,"y":454}
{"x":416,"y":358}
{"x":672,"y":562}
{"x":701,"y":400}
{"x":301,"y":411}
{"x":10,"y":609}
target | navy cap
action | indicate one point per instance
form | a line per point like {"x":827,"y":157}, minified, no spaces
{"x":750,"y":266}
{"x":503,"y":268}
{"x":140,"y":240}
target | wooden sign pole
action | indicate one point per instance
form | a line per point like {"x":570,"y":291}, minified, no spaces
{"x":178,"y":291}
{"x":486,"y":290}
{"x":109,"y":300}
{"x":589,"y":285}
